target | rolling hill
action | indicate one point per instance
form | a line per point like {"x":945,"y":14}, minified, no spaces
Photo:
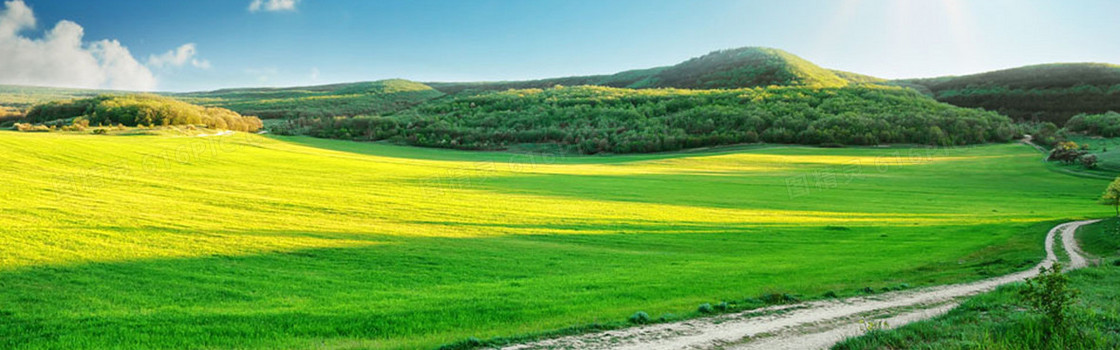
{"x":16,"y":100}
{"x":723,"y":69}
{"x":24,"y":97}
{"x":349,"y":99}
{"x":1053,"y":92}
{"x":1049,"y":92}
{"x":375,"y":97}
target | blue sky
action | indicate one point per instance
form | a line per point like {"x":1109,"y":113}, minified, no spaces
{"x":301,"y":42}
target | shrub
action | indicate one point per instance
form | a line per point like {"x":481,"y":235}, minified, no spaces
{"x":831,"y":295}
{"x":1066,"y":152}
{"x":640,"y":317}
{"x":705,"y":308}
{"x":1050,"y":295}
{"x":469,"y":343}
{"x":778,"y":298}
{"x":723,"y":306}
{"x":1089,"y":161}
{"x":78,"y":124}
{"x":27,"y":127}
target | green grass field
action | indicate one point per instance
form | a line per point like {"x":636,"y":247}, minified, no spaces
{"x":1101,"y":239}
{"x":253,"y":242}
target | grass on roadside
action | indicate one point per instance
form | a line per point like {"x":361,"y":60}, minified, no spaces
{"x":1002,"y":320}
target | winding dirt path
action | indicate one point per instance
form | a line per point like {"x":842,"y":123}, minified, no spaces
{"x":810,"y":325}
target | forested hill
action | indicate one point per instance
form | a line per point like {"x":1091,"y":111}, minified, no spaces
{"x":375,"y":97}
{"x":348,"y":99}
{"x":1053,"y":92}
{"x":593,"y":119}
{"x":724,"y":69}
{"x":1049,"y":92}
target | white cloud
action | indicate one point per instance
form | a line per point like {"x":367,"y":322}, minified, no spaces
{"x":60,"y":58}
{"x":121,"y":70}
{"x":314,"y":73}
{"x":17,"y":16}
{"x":178,"y":57}
{"x":272,"y":5}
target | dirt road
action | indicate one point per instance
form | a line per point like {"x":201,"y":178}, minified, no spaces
{"x":810,"y":325}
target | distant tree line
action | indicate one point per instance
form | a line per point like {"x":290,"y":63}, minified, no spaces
{"x":1056,"y":105}
{"x":600,"y":119}
{"x":1040,"y":93}
{"x":141,"y":110}
{"x":1106,"y":124}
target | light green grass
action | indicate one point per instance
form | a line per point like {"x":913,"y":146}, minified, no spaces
{"x":254,"y":242}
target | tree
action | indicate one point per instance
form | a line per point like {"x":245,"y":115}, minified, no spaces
{"x":1111,"y":195}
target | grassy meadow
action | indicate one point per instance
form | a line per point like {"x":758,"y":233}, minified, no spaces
{"x":246,"y":241}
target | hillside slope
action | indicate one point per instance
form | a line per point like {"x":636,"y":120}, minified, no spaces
{"x":745,"y":67}
{"x":348,"y":99}
{"x":16,"y":100}
{"x":375,"y":97}
{"x":723,"y":69}
{"x":1049,"y":92}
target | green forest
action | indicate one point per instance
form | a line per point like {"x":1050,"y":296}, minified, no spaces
{"x":141,"y":110}
{"x":1106,"y":124}
{"x":1042,"y":93}
{"x":591,"y":119}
